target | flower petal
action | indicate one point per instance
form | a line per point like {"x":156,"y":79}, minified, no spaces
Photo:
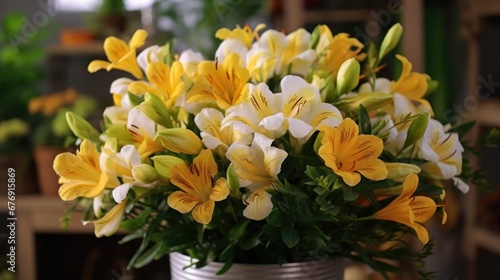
{"x":423,"y":208}
{"x":120,"y":192}
{"x":220,"y":191}
{"x":259,"y":205}
{"x":202,"y":213}
{"x":182,"y":202}
{"x":109,"y":223}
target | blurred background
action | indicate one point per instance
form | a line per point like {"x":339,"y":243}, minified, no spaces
{"x":46,"y":45}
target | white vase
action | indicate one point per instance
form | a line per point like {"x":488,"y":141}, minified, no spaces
{"x":316,"y":270}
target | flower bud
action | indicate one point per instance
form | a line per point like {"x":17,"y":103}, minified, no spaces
{"x":81,"y":128}
{"x":145,"y":173}
{"x":398,"y":171}
{"x":179,"y":140}
{"x":370,"y":101}
{"x":155,"y":109}
{"x":417,"y":129}
{"x":391,"y":40}
{"x":348,"y":76}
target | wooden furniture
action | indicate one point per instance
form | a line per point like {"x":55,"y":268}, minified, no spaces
{"x":411,"y":12}
{"x":486,"y":114}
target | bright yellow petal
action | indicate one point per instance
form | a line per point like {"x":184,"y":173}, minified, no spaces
{"x":115,"y":49}
{"x":202,"y":213}
{"x":138,"y":39}
{"x":423,"y":208}
{"x":422,"y":233}
{"x":140,"y":88}
{"x":182,"y":202}
{"x":220,"y":191}
{"x":96,"y":65}
{"x":350,"y":178}
{"x":166,"y":164}
{"x":373,"y":169}
{"x":397,"y":211}
{"x":78,"y":188}
{"x":345,"y":137}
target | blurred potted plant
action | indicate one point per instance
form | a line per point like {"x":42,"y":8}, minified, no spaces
{"x":111,"y":17}
{"x":53,"y":135}
{"x":20,"y":80}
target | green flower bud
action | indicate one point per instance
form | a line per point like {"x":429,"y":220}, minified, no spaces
{"x":145,"y":173}
{"x":416,"y":130}
{"x":155,"y":109}
{"x":348,"y":76}
{"x":179,"y":140}
{"x":391,"y":40}
{"x":81,"y":128}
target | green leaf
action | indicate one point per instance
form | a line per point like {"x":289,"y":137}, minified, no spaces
{"x":350,"y":194}
{"x":290,"y":236}
{"x":148,"y":255}
{"x":275,"y":218}
{"x":227,"y":256}
{"x":315,"y":35}
{"x":364,"y":120}
{"x":416,"y":130}
{"x":311,"y":172}
{"x":252,"y":241}
{"x":238,"y":231}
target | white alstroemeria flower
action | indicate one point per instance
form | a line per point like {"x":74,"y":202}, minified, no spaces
{"x":253,"y":114}
{"x":292,"y":52}
{"x":304,"y":110}
{"x":297,"y":109}
{"x":381,"y":85}
{"x":261,"y":63}
{"x":148,"y":55}
{"x":392,"y":144}
{"x":143,"y":131}
{"x":257,"y":167}
{"x":442,"y":150}
{"x":189,"y":60}
{"x":403,"y":106}
{"x":231,"y":46}
{"x":120,"y":86}
{"x":209,"y":122}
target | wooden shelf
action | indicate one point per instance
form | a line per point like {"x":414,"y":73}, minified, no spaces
{"x":38,"y":214}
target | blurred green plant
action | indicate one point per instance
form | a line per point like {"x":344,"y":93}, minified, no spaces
{"x":21,"y":73}
{"x":193,"y":23}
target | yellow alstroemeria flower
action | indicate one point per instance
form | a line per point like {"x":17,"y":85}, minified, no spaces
{"x":411,"y":84}
{"x":244,"y":35}
{"x":109,"y":223}
{"x":163,"y":81}
{"x":349,"y":154}
{"x":410,"y":210}
{"x":220,"y":82}
{"x":257,"y":167}
{"x":198,"y":191}
{"x":80,"y":174}
{"x":120,"y":55}
{"x":333,"y":51}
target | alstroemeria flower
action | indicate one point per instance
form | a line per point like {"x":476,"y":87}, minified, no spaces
{"x":120,"y":55}
{"x":109,"y":223}
{"x":334,"y":50}
{"x":257,"y":167}
{"x":198,"y":192}
{"x":349,"y":154}
{"x":149,"y":55}
{"x":143,"y":131}
{"x":443,"y":152}
{"x":80,"y":174}
{"x":411,"y":84}
{"x":163,"y":81}
{"x":260,"y":62}
{"x":292,"y":52}
{"x":220,"y":82}
{"x":244,"y":35}
{"x":297,"y":109}
{"x":209,"y":122}
{"x":190,"y":60}
{"x":124,"y":165}
{"x":410,"y":210}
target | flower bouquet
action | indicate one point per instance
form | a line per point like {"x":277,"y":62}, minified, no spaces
{"x":279,"y":149}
